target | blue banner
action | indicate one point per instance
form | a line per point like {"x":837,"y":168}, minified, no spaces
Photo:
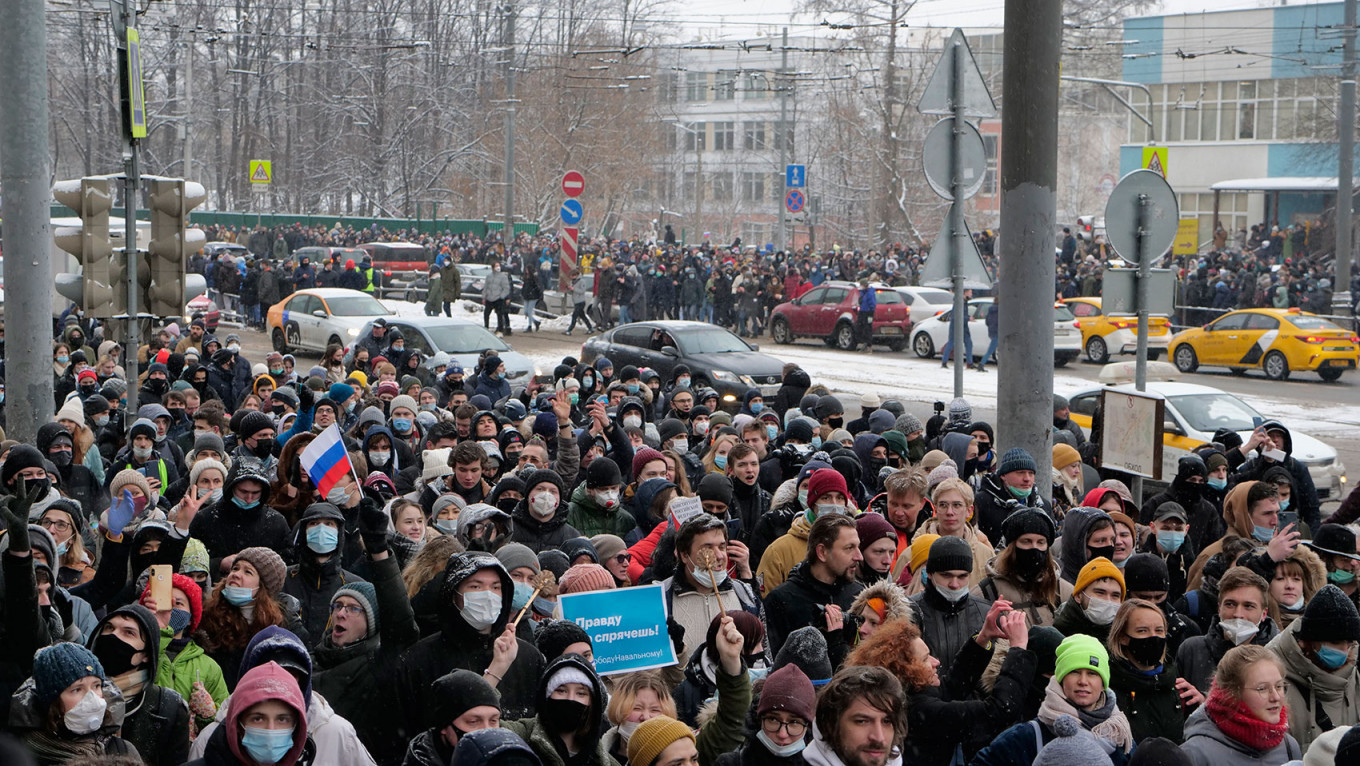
{"x":627,"y":627}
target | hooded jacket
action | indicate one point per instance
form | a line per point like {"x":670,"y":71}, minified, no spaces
{"x":28,"y":721}
{"x":77,"y":481}
{"x":1076,"y":529}
{"x":542,"y":535}
{"x":1001,"y":585}
{"x":459,"y":645}
{"x":226,"y":529}
{"x":494,"y":744}
{"x":545,"y":743}
{"x":157,"y":721}
{"x":1303,"y":493}
{"x":1238,"y":518}
{"x":312,"y":581}
{"x":1318,"y":700}
{"x":268,"y":682}
{"x":1207,"y":745}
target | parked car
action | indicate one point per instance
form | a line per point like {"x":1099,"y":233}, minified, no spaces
{"x":320,"y":254}
{"x":929,"y":336}
{"x":400,"y":263}
{"x":716,"y":358}
{"x":315,"y":318}
{"x":214,"y":249}
{"x":925,"y":302}
{"x":829,"y":311}
{"x":1103,"y":335}
{"x":1277,"y":341}
{"x":461,"y":339}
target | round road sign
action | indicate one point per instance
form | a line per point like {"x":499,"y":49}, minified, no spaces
{"x":1160,"y":218}
{"x":573,"y":183}
{"x":571,"y":212}
{"x":793,"y":201}
{"x":935,"y":158}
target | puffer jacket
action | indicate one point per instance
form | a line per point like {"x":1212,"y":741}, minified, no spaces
{"x":496,"y":287}
{"x":541,"y":535}
{"x":1238,"y":518}
{"x":158,"y":724}
{"x":1000,"y":585}
{"x":189,"y":665}
{"x":225,"y":530}
{"x":1198,"y":657}
{"x":1207,"y":745}
{"x":1318,"y":700}
{"x":946,"y":626}
{"x":1149,"y":701}
{"x":779,"y":559}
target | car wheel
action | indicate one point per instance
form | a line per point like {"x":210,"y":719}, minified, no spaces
{"x":1238,"y":371}
{"x":1185,"y":358}
{"x":335,"y":341}
{"x":898,"y":345}
{"x":1330,"y":374}
{"x":294,"y":339}
{"x":845,"y":336}
{"x":780,"y":332}
{"x":1061,"y":360}
{"x":1275,"y":366}
{"x":280,"y":345}
{"x":923,"y":346}
{"x":1096,"y":350}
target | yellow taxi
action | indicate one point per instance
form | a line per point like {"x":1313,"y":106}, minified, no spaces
{"x":1103,"y":335}
{"x":1277,"y":341}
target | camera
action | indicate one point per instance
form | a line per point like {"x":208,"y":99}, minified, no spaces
{"x":939,"y":406}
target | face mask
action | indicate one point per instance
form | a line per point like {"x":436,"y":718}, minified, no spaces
{"x":427,"y":407}
{"x":349,"y":406}
{"x":1331,"y":658}
{"x":87,"y":714}
{"x":632,"y":421}
{"x":322,"y":538}
{"x":267,"y":745}
{"x":786,"y":751}
{"x":588,"y":382}
{"x":1217,"y":483}
{"x":575,"y":398}
{"x":60,"y":459}
{"x":337,"y":496}
{"x":180,"y":619}
{"x":680,"y":446}
{"x":1170,"y":541}
{"x":1021,"y":493}
{"x":682,"y":381}
{"x":63,"y":359}
{"x":707,"y":579}
{"x":802,"y":498}
{"x":771,"y":432}
{"x":1341,"y":577}
{"x":700,"y":426}
{"x":447,"y":526}
{"x":101,"y":420}
{"x":543,"y":505}
{"x":816,"y":442}
{"x":562,"y":716}
{"x":952,"y":595}
{"x":1297,"y":606}
{"x":544,"y":607}
{"x":1262,"y":534}
{"x":481,"y":608}
{"x":633,"y":389}
{"x":277,"y":409}
{"x":141,"y":453}
{"x":1106,"y":551}
{"x":500,"y":376}
{"x":378,"y":458}
{"x":210,"y":496}
{"x":238,"y":596}
{"x":114,"y":654}
{"x":244,"y":504}
{"x":234,"y":348}
{"x":1148,"y":650}
{"x":523,"y":593}
{"x":1284,"y":504}
{"x":608,"y":500}
{"x":757,"y":406}
{"x":1238,"y":630}
{"x":402,"y":425}
{"x":1028,"y":561}
{"x":1100,"y":611}
{"x":264,"y":447}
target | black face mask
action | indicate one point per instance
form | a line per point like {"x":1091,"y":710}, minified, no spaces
{"x":1029,"y":561}
{"x":835,"y":422}
{"x":563,"y":716}
{"x":507,"y":504}
{"x":916,"y":449}
{"x":176,"y":414}
{"x":876,"y":463}
{"x":264,"y":447}
{"x":1093,"y":552}
{"x":44,"y":486}
{"x":60,"y":459}
{"x":114,"y":654}
{"x":278,"y":409}
{"x":1188,"y":492}
{"x":1147,"y":650}
{"x":157,"y":385}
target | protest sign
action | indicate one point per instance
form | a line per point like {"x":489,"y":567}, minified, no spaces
{"x":627,"y":627}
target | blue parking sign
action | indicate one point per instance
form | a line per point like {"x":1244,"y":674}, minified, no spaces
{"x":795,"y":176}
{"x":627,"y":627}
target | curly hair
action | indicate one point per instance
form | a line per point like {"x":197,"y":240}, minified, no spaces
{"x":429,"y":562}
{"x":890,"y":648}
{"x":225,"y":628}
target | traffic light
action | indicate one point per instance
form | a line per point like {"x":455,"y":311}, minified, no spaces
{"x":95,"y":289}
{"x":170,"y":201}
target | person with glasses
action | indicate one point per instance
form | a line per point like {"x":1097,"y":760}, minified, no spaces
{"x":784,"y":716}
{"x":1245,"y":719}
{"x":614,"y":556}
{"x":1318,"y":653}
{"x":65,"y":521}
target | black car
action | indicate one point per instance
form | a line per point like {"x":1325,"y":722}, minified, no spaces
{"x":716,"y":358}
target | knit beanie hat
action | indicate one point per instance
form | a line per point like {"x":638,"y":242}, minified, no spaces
{"x":553,"y":638}
{"x":458,"y":692}
{"x":1028,"y":521}
{"x":554,"y":561}
{"x":806,"y":648}
{"x":933,"y":458}
{"x":1065,"y":455}
{"x":1095,"y":569}
{"x":1015,"y":459}
{"x":608,"y":546}
{"x":254,"y":422}
{"x":823,"y":482}
{"x":939,"y":473}
{"x":339,"y":392}
{"x":1159,"y":751}
{"x":920,"y":550}
{"x":949,"y":554}
{"x":790,"y":690}
{"x":653,"y":736}
{"x":1080,"y":651}
{"x":567,"y":674}
{"x":367,"y":596}
{"x":908,"y":424}
{"x":1329,"y":616}
{"x":640,"y":459}
{"x":1044,"y":641}
{"x":1073,"y":744}
{"x":127,"y":477}
{"x":584,"y":578}
{"x":268,"y":564}
{"x":205,"y":464}
{"x":715,"y":488}
{"x":435,"y":463}
{"x":192,"y":593}
{"x":960,"y":412}
{"x":404,"y":400}
{"x":603,"y":473}
{"x":1348,"y":749}
{"x":516,"y":555}
{"x":58,"y":666}
{"x":800,"y":429}
{"x":1215,"y":461}
{"x":872,"y":527}
{"x":1146,"y":572}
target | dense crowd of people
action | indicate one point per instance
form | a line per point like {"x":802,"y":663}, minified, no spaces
{"x":860,"y":587}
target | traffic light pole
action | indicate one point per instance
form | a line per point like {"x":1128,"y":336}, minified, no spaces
{"x":131,"y":183}
{"x":26,"y":178}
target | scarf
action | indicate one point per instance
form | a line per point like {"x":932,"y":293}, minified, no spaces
{"x":132,"y":682}
{"x":1107,"y":722}
{"x":48,"y":747}
{"x":1233,"y":718}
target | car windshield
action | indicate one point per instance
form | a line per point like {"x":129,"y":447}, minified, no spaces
{"x":477,"y":269}
{"x":1210,"y":412}
{"x":463,"y":339}
{"x":1062,"y":314}
{"x":356,"y":306}
{"x":715,"y":341}
{"x":1312,"y":323}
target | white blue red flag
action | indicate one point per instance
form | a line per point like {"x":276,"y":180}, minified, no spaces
{"x":325,"y":460}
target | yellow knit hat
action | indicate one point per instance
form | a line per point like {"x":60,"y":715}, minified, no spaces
{"x":1095,"y":569}
{"x":920,"y":551}
{"x":1065,"y":455}
{"x":653,"y":736}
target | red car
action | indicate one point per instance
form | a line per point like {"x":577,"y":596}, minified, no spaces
{"x":829,"y":310}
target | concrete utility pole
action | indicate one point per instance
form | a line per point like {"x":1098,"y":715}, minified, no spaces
{"x":1341,"y":291}
{"x":508,"y":234}
{"x":26,"y":177}
{"x":957,"y":230}
{"x":132,"y":179}
{"x":779,"y":233}
{"x":1029,"y":174}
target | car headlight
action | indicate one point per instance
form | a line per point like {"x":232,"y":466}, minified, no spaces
{"x":352,"y":332}
{"x":724,"y":375}
{"x":749,"y":381}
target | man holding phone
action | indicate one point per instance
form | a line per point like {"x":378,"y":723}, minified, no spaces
{"x":1272,"y":445}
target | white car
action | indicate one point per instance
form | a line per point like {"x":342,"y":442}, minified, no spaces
{"x":461,"y":340}
{"x":1195,"y":412}
{"x":315,"y":318}
{"x":930,"y":335}
{"x":925,"y":302}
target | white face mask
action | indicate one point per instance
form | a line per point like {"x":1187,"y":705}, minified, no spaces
{"x":627,"y":728}
{"x":608,"y":500}
{"x":680,"y":446}
{"x":787,"y":751}
{"x":707,"y":579}
{"x":378,"y":458}
{"x":829,"y":509}
{"x":481,"y":608}
{"x":955,"y":595}
{"x":1100,"y":611}
{"x":338,"y":496}
{"x":87,"y":714}
{"x":1238,"y":630}
{"x":700,"y":427}
{"x":543,"y":505}
{"x":633,"y":421}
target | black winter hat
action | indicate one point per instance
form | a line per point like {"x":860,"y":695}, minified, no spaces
{"x":1191,"y":465}
{"x":1329,"y":616}
{"x":554,"y":561}
{"x":670,"y":428}
{"x":252,"y":423}
{"x":1348,"y":749}
{"x":552,"y":638}
{"x":1159,"y":751}
{"x":1028,"y":521}
{"x":808,"y":404}
{"x":1146,"y":572}
{"x":828,"y":407}
{"x":1043,"y":641}
{"x":458,"y":692}
{"x":806,"y":648}
{"x":603,"y":472}
{"x":949,"y":554}
{"x":627,"y":373}
{"x":580,"y":546}
{"x":715,"y":488}
{"x":798,"y":430}
{"x":1333,"y":540}
{"x":20,"y":456}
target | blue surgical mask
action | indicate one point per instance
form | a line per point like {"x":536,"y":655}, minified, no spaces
{"x":500,"y":376}
{"x":63,"y":359}
{"x":682,"y":381}
{"x":633,"y":389}
{"x":771,"y":432}
{"x":816,"y":442}
{"x":587,"y":381}
{"x":1262,"y":534}
{"x":242,"y":504}
{"x":1331,"y":658}
{"x":402,"y":425}
{"x":447,"y":526}
{"x":757,"y":406}
{"x":1170,"y":541}
{"x":238,"y":596}
{"x":267,"y":745}
{"x":323,"y":538}
{"x":1216,"y":483}
{"x":720,"y":461}
{"x":523,"y":592}
{"x":99,"y":420}
{"x":1284,"y":504}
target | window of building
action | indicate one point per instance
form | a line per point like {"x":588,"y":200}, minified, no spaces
{"x":755,"y":136}
{"x":753,"y":187}
{"x":989,"y":181}
{"x":724,"y":136}
{"x":696,"y":86}
{"x":724,"y":85}
{"x":721,"y":185}
{"x":757,"y":85}
{"x":696,"y":136}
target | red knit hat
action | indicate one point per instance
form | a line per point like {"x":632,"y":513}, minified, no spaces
{"x":642,"y":457}
{"x":584,"y":578}
{"x":191,"y":592}
{"x":824,"y":481}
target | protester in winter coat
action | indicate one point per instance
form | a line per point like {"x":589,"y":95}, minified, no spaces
{"x":266,"y":724}
{"x":570,"y":714}
{"x":241,"y":519}
{"x":246,"y":601}
{"x":1242,"y":618}
{"x":540,"y":519}
{"x":182,"y":665}
{"x":127,"y":644}
{"x":1252,"y":511}
{"x":821,"y":588}
{"x":1087,"y":533}
{"x":690,"y":591}
{"x":597,"y":503}
{"x":463,"y":702}
{"x":69,"y":708}
{"x":1144,"y":674}
{"x":1024,"y":572}
{"x":1204,"y":522}
{"x":704,"y":671}
{"x":827,"y":493}
{"x":317,"y":545}
{"x":1294,"y":579}
{"x":948,"y":614}
{"x":1269,"y":439}
{"x":1318,"y":654}
{"x":1096,"y":597}
{"x":1244,"y":721}
{"x":952,"y":503}
{"x":1012,"y":481}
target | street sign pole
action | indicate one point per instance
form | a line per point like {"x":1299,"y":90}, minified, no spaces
{"x":1144,"y":282}
{"x":956,"y":227}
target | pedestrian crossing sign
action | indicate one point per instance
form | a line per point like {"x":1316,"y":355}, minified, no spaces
{"x":261,"y":172}
{"x":1154,"y":158}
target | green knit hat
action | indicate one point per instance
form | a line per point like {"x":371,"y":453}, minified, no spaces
{"x":1082,"y":651}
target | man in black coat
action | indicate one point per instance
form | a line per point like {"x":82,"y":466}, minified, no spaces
{"x":241,"y":519}
{"x":318,"y":543}
{"x":1204,"y":521}
{"x":128,"y":642}
{"x":820,"y":589}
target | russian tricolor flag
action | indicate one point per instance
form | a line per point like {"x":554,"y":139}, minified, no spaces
{"x":325,"y":459}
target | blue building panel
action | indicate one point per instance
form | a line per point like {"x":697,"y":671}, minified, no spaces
{"x":1148,"y":32}
{"x":1130,"y":159}
{"x":1305,"y":37}
{"x":1302,"y":160}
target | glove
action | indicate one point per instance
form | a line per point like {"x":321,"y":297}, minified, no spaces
{"x":18,"y":526}
{"x":201,"y":702}
{"x":120,"y":513}
{"x":305,"y":398}
{"x":676,"y":631}
{"x":372,"y":525}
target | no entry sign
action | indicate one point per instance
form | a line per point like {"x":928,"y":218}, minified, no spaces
{"x":573,"y":183}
